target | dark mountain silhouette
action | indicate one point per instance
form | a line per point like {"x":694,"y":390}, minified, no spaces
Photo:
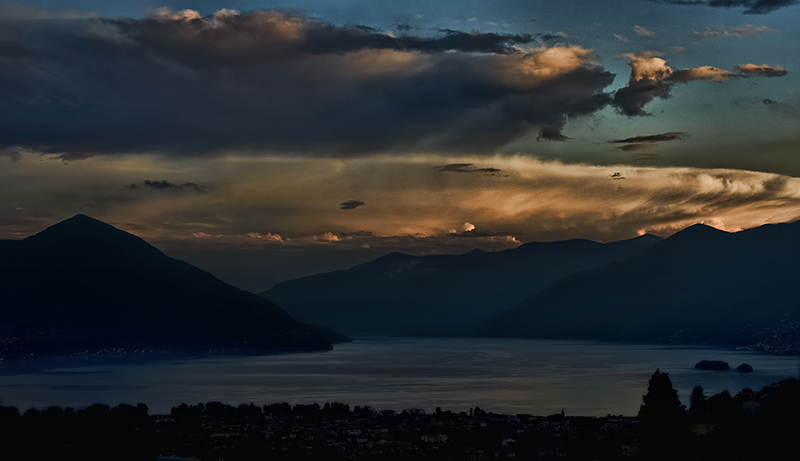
{"x":440,"y":295}
{"x":85,"y":285}
{"x":699,"y":285}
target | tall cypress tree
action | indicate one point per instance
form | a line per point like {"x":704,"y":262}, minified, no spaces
{"x":663,"y":419}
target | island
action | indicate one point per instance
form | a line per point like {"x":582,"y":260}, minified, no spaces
{"x":712,"y":365}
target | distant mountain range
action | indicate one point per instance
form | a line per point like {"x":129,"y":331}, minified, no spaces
{"x":83,"y":285}
{"x":700,"y":285}
{"x":441,"y":295}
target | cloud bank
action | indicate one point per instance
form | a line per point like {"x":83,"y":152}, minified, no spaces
{"x":749,"y":6}
{"x":177,"y":82}
{"x":258,"y":201}
{"x":742,"y":30}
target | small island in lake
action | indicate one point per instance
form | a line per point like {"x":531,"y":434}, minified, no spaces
{"x":712,"y":365}
{"x":744,"y":368}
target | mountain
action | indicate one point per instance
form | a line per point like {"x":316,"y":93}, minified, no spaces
{"x":85,"y":285}
{"x":700,"y":285}
{"x":442,"y":294}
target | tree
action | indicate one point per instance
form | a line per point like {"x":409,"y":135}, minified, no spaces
{"x":663,"y":419}
{"x":661,"y":401}
{"x":697,"y":401}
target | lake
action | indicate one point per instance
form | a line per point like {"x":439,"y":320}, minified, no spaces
{"x":538,"y":377}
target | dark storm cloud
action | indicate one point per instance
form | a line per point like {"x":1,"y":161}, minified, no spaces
{"x":180,"y":83}
{"x":467,"y":168}
{"x":671,"y":136}
{"x":551,"y":133}
{"x":750,"y":6}
{"x":166,"y":185}
{"x":351,"y":204}
{"x":646,"y":142}
{"x":652,"y":78}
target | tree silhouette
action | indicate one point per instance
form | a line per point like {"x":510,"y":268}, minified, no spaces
{"x":663,"y":419}
{"x":697,"y":408}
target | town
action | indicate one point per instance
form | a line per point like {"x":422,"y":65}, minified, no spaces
{"x":739,"y":427}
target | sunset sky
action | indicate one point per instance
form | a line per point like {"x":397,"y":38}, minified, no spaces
{"x":268,"y":140}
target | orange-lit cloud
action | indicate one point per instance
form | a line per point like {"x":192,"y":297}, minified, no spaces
{"x":652,"y":78}
{"x":764,"y":70}
{"x":268,"y":201}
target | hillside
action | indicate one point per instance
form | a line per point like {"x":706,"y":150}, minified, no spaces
{"x":85,"y":285}
{"x":700,"y":285}
{"x":443,"y":294}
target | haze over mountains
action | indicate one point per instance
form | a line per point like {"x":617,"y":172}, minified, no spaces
{"x":85,"y":285}
{"x":444,"y":294}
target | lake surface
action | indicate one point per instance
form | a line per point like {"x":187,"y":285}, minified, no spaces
{"x":502,"y":375}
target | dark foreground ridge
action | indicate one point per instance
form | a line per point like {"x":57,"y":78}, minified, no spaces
{"x":83,"y":286}
{"x":750,"y":425}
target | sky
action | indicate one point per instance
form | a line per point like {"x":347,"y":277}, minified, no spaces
{"x":264,"y":141}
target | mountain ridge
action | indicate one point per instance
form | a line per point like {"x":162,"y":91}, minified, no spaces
{"x":85,"y":285}
{"x":698,"y":286}
{"x":401,"y":294}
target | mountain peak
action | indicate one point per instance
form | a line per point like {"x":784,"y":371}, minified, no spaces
{"x":700,"y":230}
{"x":647,"y":237}
{"x":81,"y":226}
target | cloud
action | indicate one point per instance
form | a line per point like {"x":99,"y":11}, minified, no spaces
{"x":671,"y":136}
{"x":761,"y":70}
{"x":643,"y":31}
{"x":327,"y":237}
{"x":538,"y":201}
{"x":266,"y":238}
{"x":351,"y":204}
{"x":646,"y":142}
{"x":12,"y":153}
{"x":551,"y":134}
{"x":178,"y":83}
{"x":638,"y":147}
{"x":768,"y":102}
{"x":750,"y":6}
{"x":554,"y":36}
{"x":164,"y":185}
{"x":702,"y":73}
{"x":467,"y":168}
{"x":652,"y":78}
{"x":742,"y":30}
{"x":648,"y":80}
{"x":204,"y":236}
{"x":467,"y":227}
{"x":621,"y":38}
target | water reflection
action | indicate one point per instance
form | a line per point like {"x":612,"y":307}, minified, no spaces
{"x":503,"y":375}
